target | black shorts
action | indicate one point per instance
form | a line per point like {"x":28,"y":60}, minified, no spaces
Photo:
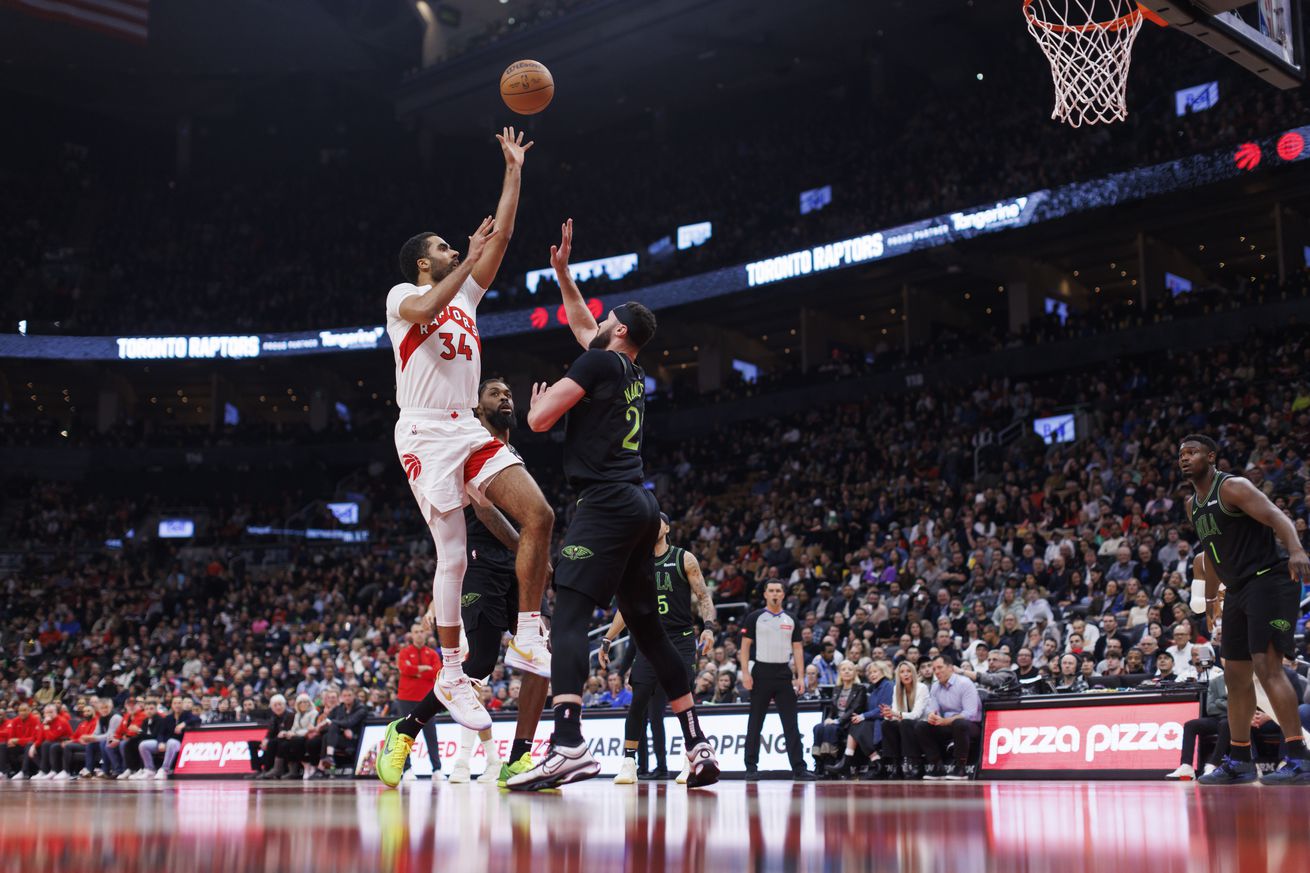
{"x":610,"y":545}
{"x":643,"y":672}
{"x":491,"y":595}
{"x":1263,"y":610}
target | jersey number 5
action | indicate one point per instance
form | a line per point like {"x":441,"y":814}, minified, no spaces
{"x":633,"y":439}
{"x":449,"y":353}
{"x":663,"y":604}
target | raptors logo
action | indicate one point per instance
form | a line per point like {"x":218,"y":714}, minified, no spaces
{"x":413,"y":467}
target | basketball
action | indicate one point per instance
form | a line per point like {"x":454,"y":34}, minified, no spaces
{"x":527,"y":87}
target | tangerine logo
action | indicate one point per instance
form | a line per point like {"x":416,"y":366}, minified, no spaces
{"x":1248,"y":156}
{"x":413,"y":466}
{"x":1290,"y":145}
{"x":540,"y":318}
{"x":595,"y":307}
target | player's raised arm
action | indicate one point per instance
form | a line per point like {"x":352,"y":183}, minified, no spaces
{"x":513,"y":147}
{"x":549,"y":405}
{"x":422,"y":308}
{"x":581,"y":321}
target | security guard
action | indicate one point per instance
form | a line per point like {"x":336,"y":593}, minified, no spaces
{"x":777,"y":675}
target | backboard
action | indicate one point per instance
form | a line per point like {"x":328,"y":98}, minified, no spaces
{"x":1262,"y":35}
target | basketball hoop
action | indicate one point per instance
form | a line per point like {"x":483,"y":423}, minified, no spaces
{"x":1089,"y":44}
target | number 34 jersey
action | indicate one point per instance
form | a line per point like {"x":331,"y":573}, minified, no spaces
{"x":602,"y":437}
{"x":439,"y":364}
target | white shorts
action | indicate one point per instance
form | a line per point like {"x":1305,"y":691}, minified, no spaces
{"x":448,"y":457}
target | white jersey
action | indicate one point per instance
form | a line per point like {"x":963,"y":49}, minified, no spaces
{"x":438,"y":365}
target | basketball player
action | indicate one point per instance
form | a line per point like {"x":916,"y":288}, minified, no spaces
{"x":449,"y":457}
{"x":1236,"y":524}
{"x":490,"y":605}
{"x":616,"y":523}
{"x":678,"y":581}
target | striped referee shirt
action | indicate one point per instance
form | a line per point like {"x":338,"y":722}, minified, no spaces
{"x":771,"y":635}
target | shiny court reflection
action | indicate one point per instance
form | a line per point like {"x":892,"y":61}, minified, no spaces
{"x":185,"y":826}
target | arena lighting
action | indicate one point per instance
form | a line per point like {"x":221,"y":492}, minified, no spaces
{"x":1021,"y":211}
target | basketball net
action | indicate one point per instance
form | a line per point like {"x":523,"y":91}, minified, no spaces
{"x":1089,"y":44}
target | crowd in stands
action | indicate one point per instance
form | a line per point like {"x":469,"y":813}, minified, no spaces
{"x":101,"y":248}
{"x":1058,"y":568}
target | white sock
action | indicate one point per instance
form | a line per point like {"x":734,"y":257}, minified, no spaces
{"x":452,"y":666}
{"x":850,"y":753}
{"x":529,"y":627}
{"x":466,"y":740}
{"x":489,"y":747}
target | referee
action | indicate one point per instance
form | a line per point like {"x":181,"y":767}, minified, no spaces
{"x":778,"y":637}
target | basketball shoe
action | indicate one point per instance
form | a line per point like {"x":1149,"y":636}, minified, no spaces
{"x":509,"y":771}
{"x":562,"y":765}
{"x":394,"y":754}
{"x":702,"y":766}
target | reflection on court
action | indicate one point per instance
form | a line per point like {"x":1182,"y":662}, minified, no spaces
{"x":186,"y":826}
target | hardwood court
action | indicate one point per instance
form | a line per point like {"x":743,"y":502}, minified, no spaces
{"x":956,"y":828}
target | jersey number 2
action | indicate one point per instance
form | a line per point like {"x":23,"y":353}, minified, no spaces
{"x":450,"y":351}
{"x":633,"y":440}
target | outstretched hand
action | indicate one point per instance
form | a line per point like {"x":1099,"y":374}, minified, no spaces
{"x":538,"y":391}
{"x":478,"y":242}
{"x":559,"y":255}
{"x":512,"y":145}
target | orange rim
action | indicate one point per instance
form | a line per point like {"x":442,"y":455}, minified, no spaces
{"x":1128,"y":20}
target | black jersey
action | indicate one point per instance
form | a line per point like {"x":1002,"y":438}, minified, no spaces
{"x":673,"y":592}
{"x":602,"y":437}
{"x":483,"y":547}
{"x":1239,"y":547}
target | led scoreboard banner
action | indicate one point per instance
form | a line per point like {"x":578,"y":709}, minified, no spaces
{"x":861,"y":248}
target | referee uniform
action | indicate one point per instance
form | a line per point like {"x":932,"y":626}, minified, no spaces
{"x":772,"y":635}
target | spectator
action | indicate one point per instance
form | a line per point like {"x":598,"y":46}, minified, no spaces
{"x":848,"y":698}
{"x":617,"y":695}
{"x":725,"y":689}
{"x":826,"y":663}
{"x":1070,"y":679}
{"x":56,"y":728}
{"x":340,"y":736}
{"x":999,"y":677}
{"x":167,"y":735}
{"x":20,"y":732}
{"x":1030,"y":678}
{"x":1122,"y":568}
{"x":868,"y":727}
{"x":126,"y":738}
{"x":1164,"y":671}
{"x":1216,"y":711}
{"x":702,"y":690}
{"x":812,"y":690}
{"x":107,"y":726}
{"x":69,"y":759}
{"x":909,"y":705}
{"x":1181,"y":652}
{"x":265,"y":755}
{"x":954,"y":716}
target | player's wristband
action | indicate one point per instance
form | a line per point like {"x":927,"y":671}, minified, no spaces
{"x":1212,"y":600}
{"x":605,"y":645}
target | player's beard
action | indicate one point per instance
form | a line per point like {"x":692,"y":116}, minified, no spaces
{"x":602,"y":339}
{"x":500,"y":420}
